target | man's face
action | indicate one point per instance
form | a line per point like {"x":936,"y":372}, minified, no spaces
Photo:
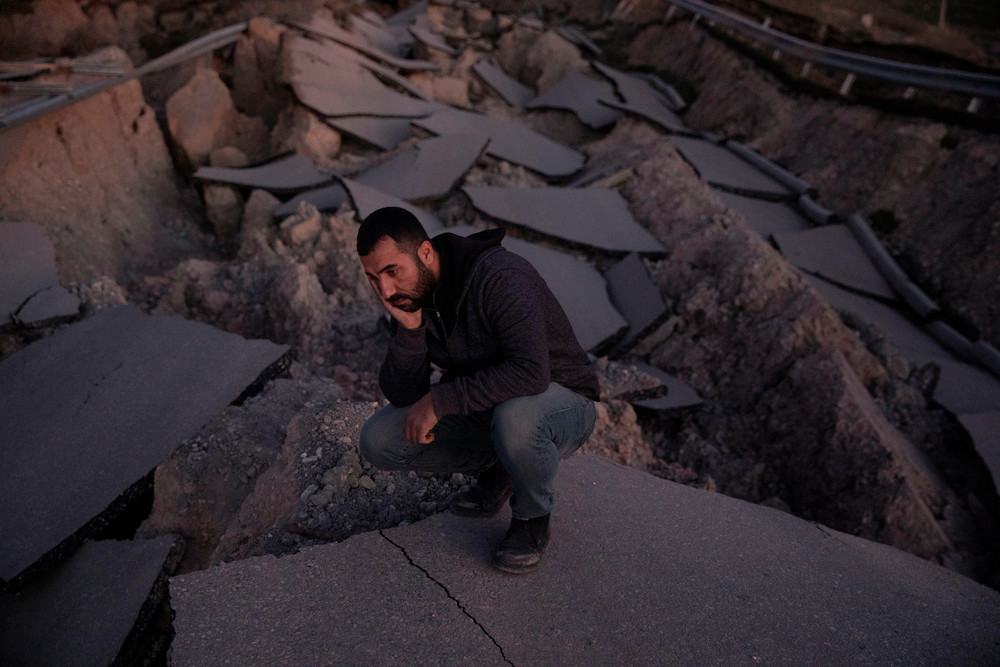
{"x":401,"y":279}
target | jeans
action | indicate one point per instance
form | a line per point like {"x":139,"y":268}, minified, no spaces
{"x":528,"y":434}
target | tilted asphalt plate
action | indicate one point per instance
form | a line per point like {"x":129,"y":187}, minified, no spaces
{"x":333,"y":31}
{"x":370,"y":26}
{"x":578,"y":287}
{"x":508,"y":141}
{"x":83,"y":611}
{"x":340,"y":86}
{"x":724,"y":169}
{"x":679,"y":393}
{"x":296,"y":172}
{"x":510,"y":89}
{"x":431,"y":39}
{"x":580,"y":93}
{"x":368,"y":200}
{"x":589,"y":216}
{"x":328,"y":198}
{"x":384,"y":133}
{"x":95,"y":407}
{"x":640,"y":98}
{"x":27,"y":269}
{"x":636,"y":297}
{"x":832,"y":252}
{"x":429,"y":169}
{"x":765,"y":217}
{"x":961,"y":388}
{"x":984,"y":427}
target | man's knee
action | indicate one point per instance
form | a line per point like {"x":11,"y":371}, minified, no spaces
{"x":380,"y":437}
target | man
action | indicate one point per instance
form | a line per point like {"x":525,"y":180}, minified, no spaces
{"x":517,"y":390}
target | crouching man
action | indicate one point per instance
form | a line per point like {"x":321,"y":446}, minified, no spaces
{"x":517,"y":391}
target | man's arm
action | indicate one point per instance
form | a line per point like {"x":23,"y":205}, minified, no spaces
{"x":405,"y":373}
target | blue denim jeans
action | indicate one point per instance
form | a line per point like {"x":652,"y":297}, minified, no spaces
{"x":528,"y":434}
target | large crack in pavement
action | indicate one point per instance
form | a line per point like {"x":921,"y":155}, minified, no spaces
{"x":458,"y":603}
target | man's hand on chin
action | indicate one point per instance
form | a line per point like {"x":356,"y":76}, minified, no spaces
{"x":420,"y":419}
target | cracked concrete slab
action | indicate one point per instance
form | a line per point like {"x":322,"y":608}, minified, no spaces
{"x":832,"y":252}
{"x":580,"y":93}
{"x":593,"y":217}
{"x":29,"y":281}
{"x":724,"y":169}
{"x":578,"y":287}
{"x":765,"y":217}
{"x":357,"y":602}
{"x":295,"y":172}
{"x":89,"y":411}
{"x":984,"y":428}
{"x":691,"y":577}
{"x":384,"y":133}
{"x":508,"y":141}
{"x":507,"y":87}
{"x":82,"y":612}
{"x":430,"y":169}
{"x":640,"y":98}
{"x":367,"y":200}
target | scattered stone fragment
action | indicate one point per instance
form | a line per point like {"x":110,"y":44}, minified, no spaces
{"x":589,"y":216}
{"x":508,"y":141}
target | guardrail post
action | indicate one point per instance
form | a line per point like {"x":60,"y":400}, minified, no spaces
{"x":974,"y":105}
{"x":845,"y":87}
{"x":806,"y":68}
{"x":670,"y":13}
{"x":767,"y":22}
{"x":694,"y":21}
{"x":909,"y":93}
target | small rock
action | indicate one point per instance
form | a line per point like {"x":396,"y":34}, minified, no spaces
{"x":366,"y":482}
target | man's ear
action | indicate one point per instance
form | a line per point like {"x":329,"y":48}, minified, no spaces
{"x":425,"y":251}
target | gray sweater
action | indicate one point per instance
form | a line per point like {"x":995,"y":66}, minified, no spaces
{"x":498,"y":333}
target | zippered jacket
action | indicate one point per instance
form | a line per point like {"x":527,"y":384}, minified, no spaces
{"x":497,"y":332}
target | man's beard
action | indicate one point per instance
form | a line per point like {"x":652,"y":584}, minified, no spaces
{"x":421,"y":296}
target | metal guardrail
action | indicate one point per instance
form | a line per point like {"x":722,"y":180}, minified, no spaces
{"x":21,"y":113}
{"x":922,"y":76}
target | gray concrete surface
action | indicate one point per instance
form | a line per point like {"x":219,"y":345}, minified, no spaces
{"x":367,"y":200}
{"x":430,"y":169}
{"x":639,"y":571}
{"x":636,"y":297}
{"x":82,"y":613}
{"x":92,"y":409}
{"x":289,"y":174}
{"x":580,"y":94}
{"x":384,"y":133}
{"x":507,"y":87}
{"x":765,"y":217}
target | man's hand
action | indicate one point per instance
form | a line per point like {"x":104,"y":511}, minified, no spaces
{"x":420,"y":419}
{"x":405,"y":319}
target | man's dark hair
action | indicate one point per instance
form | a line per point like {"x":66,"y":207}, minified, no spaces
{"x":395,"y":223}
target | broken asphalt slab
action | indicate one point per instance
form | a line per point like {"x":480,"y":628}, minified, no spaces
{"x":594,"y":217}
{"x":29,"y":281}
{"x":89,"y":411}
{"x":289,"y":174}
{"x":429,"y":169}
{"x":640,"y":571}
{"x":724,"y":169}
{"x":83,"y":612}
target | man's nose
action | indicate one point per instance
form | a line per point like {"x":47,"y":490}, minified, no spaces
{"x":386,"y":288}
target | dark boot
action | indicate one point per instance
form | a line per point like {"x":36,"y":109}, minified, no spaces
{"x":521,"y":548}
{"x":487,"y":496}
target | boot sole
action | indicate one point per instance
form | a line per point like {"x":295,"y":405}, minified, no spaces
{"x":480,"y":512}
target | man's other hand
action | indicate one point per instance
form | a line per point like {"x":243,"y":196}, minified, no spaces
{"x":420,"y":419}
{"x":406,"y":320}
